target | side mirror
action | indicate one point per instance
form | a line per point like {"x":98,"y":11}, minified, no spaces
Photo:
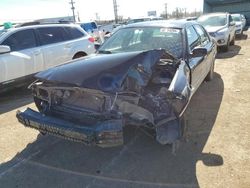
{"x":199,"y":52}
{"x":4,"y":49}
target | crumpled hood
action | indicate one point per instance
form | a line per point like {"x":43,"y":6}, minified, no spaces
{"x":105,"y":72}
{"x":213,"y":29}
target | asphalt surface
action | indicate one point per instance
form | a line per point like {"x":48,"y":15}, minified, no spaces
{"x":215,"y":153}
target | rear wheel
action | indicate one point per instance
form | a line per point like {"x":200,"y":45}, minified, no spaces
{"x":79,"y":55}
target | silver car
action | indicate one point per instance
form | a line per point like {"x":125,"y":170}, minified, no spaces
{"x":221,"y":27}
{"x":240,"y":21}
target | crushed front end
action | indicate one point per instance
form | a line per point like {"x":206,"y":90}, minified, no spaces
{"x":149,"y":89}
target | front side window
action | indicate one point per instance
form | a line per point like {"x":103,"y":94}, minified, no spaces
{"x":203,"y":35}
{"x":193,"y":38}
{"x":50,"y":35}
{"x":21,"y":40}
{"x":144,"y":38}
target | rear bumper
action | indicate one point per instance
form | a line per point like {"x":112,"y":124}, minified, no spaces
{"x":104,"y":134}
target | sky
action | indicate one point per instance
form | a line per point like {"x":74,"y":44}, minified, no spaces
{"x":26,"y":10}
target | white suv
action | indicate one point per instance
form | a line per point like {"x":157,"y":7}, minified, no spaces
{"x":27,"y":50}
{"x":221,"y":27}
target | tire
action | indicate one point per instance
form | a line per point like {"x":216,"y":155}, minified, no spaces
{"x":210,"y":74}
{"x":226,"y":47}
{"x":233,"y":41}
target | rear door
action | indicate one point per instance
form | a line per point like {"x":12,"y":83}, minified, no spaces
{"x":24,"y":59}
{"x":53,"y":46}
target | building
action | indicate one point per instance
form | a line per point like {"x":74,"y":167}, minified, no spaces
{"x":232,"y":6}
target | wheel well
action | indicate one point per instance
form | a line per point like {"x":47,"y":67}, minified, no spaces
{"x":79,"y":54}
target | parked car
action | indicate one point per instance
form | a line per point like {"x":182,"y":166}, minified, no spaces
{"x":240,"y":22}
{"x":92,"y":29}
{"x":145,"y":75}
{"x":27,"y":50}
{"x":221,"y":27}
{"x":243,"y":18}
{"x":137,"y":20}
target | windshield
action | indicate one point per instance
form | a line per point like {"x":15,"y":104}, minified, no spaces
{"x":218,"y":20}
{"x":236,"y":18}
{"x":144,"y":38}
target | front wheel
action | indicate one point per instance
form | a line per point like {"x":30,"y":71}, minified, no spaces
{"x":226,"y":47}
{"x":233,"y":41}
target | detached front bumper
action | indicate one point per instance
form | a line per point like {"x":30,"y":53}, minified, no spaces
{"x":107,"y":133}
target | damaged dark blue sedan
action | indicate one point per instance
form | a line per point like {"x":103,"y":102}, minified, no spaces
{"x":144,"y":75}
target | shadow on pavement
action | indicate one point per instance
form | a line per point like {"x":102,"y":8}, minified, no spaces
{"x":141,"y":162}
{"x":233,"y":51}
{"x":244,"y":36}
{"x":15,"y":98}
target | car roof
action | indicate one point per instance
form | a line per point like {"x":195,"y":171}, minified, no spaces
{"x":47,"y":25}
{"x":14,"y":29}
{"x":180,"y":24}
{"x":215,"y":14}
{"x":40,"y":26}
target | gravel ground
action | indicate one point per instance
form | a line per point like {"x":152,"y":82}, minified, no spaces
{"x":216,"y":153}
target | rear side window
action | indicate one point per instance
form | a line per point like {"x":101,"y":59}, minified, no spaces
{"x":74,"y":33}
{"x":50,"y":35}
{"x":21,"y":40}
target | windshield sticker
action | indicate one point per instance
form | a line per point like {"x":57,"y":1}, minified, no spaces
{"x":169,"y":30}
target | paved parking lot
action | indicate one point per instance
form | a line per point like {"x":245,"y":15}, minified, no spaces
{"x":216,"y":153}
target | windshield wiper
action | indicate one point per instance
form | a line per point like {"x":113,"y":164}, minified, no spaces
{"x":104,"y":52}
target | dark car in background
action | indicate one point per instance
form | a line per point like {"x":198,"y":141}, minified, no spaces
{"x":144,"y":75}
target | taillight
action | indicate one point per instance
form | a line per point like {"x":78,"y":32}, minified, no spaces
{"x":92,"y":39}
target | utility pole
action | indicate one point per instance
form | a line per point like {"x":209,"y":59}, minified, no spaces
{"x":115,"y":11}
{"x":166,"y":10}
{"x":73,"y":10}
